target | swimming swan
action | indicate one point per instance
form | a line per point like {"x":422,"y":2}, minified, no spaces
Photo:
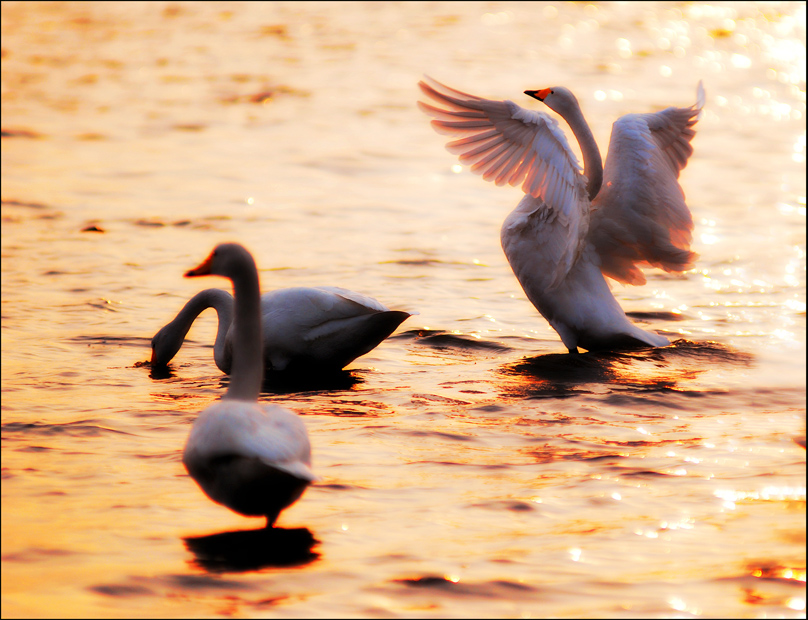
{"x":320,"y":328}
{"x":571,"y":229}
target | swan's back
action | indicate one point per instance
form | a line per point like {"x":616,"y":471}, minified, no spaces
{"x":254,"y":458}
{"x":322,"y":328}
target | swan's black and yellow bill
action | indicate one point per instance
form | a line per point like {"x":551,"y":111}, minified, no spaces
{"x":203,"y":269}
{"x":538,"y":94}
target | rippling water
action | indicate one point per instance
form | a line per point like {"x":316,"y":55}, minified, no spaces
{"x":470,"y":466}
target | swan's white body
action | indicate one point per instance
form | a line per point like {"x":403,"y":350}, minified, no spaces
{"x":254,"y":458}
{"x":571,"y":229}
{"x":305,"y":328}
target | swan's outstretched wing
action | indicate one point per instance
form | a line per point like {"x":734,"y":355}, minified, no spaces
{"x":640,"y":216}
{"x":506,"y":143}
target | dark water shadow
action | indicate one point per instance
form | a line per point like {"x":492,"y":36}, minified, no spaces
{"x":637,"y":370}
{"x":430,"y":585}
{"x":157,"y":372}
{"x":278,"y":382}
{"x":287,"y":382}
{"x":247,"y":550}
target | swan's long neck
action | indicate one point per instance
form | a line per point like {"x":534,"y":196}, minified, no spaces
{"x":247,"y":370}
{"x":222,"y":302}
{"x":176,"y":330}
{"x":593,"y":164}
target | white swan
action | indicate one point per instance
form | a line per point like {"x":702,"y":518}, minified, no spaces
{"x":254,"y":458}
{"x":572,"y":229}
{"x":305,"y":328}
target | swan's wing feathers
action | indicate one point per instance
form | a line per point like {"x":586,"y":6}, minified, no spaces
{"x":507,"y":144}
{"x":267,"y":432}
{"x":542,"y":244}
{"x":280,"y":440}
{"x":367,"y":305}
{"x":672,"y":130}
{"x":308,"y":307}
{"x":640,"y":216}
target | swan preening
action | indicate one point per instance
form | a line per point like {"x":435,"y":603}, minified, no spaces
{"x":573,"y":228}
{"x":306,"y":329}
{"x":254,"y":458}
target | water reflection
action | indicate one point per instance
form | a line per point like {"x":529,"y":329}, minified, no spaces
{"x":561,"y":375}
{"x":290,"y":381}
{"x":276,"y":382}
{"x":247,"y":550}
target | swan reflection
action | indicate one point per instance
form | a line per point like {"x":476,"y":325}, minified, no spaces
{"x":247,"y":550}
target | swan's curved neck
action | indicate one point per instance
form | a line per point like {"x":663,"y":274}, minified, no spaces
{"x":593,"y":164}
{"x":215,"y":298}
{"x":247,"y":369}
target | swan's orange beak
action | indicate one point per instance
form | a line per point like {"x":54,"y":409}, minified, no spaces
{"x":202,"y":270}
{"x":538,"y":94}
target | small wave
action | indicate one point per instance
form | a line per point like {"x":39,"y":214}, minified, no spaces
{"x":35,"y":554}
{"x":80,"y":428}
{"x":121,"y":590}
{"x":19,"y":132}
{"x":507,"y":590}
{"x":657,"y":316}
{"x":439,"y":435}
{"x":441,"y":339}
{"x":436,"y":398}
{"x":22,"y":203}
{"x":512,"y":505}
{"x":418,"y":262}
{"x":136,"y":341}
{"x":355,"y":409}
{"x":707,"y":351}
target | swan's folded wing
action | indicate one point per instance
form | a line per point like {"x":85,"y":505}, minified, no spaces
{"x":280,"y":440}
{"x":362,"y":303}
{"x":640,"y":216}
{"x":507,"y":144}
{"x":308,"y":307}
{"x":264,"y":431}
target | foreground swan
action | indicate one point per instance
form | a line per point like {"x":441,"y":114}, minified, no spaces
{"x":311,"y":328}
{"x":252,"y":457}
{"x":572,"y":229}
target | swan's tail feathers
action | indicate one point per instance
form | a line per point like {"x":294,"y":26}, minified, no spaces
{"x":344,"y":340}
{"x":298,"y":469}
{"x":381,"y":325}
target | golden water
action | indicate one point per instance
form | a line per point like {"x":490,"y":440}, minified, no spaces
{"x":470,"y":467}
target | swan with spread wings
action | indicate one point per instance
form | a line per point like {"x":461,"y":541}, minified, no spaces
{"x":574,"y":227}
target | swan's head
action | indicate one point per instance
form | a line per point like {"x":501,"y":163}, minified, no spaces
{"x":164,"y":346}
{"x":226,"y":260}
{"x":557,"y":98}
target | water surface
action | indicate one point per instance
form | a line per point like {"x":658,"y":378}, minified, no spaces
{"x":471,"y":468}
